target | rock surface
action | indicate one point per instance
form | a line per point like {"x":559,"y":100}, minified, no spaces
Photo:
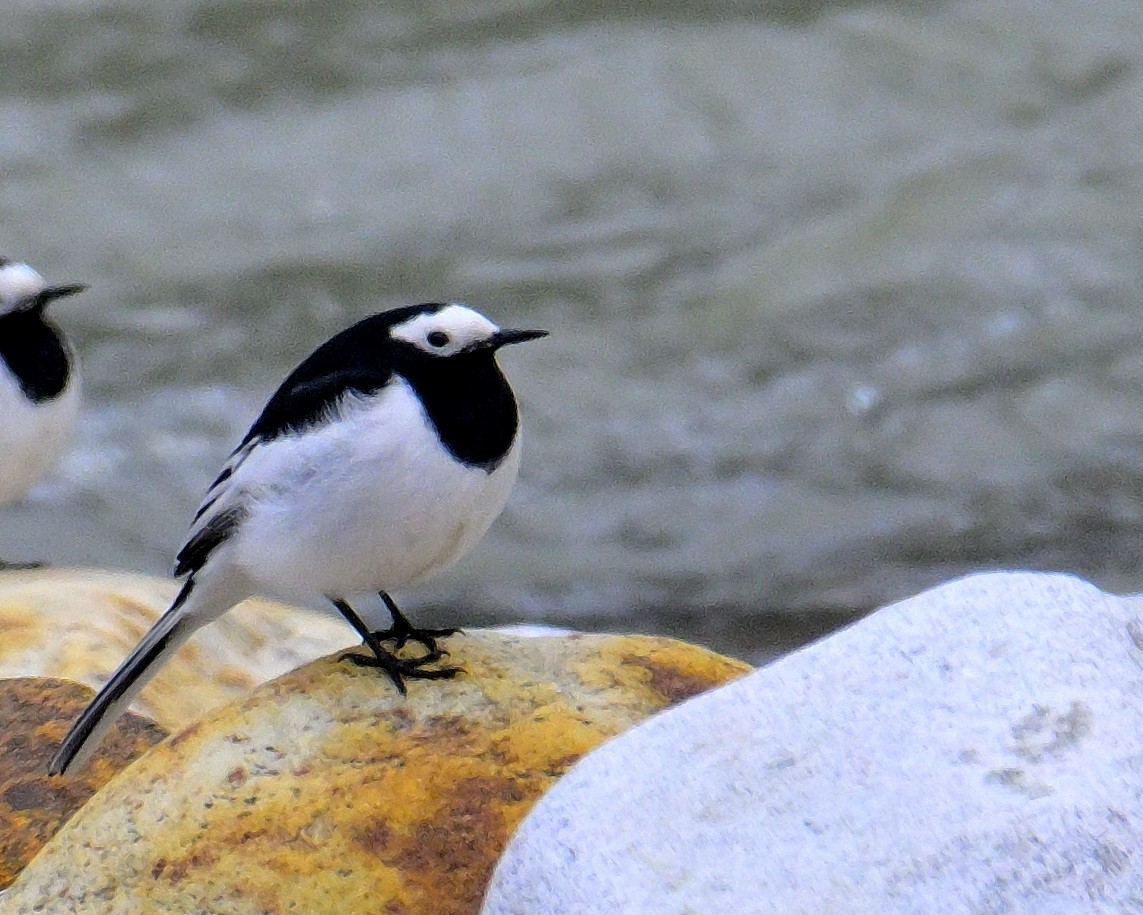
{"x":325,"y":791}
{"x":79,"y":624}
{"x":975,"y":749}
{"x":36,"y":712}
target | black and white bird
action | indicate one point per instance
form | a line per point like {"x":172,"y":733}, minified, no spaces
{"x":39,"y":382}
{"x":382,"y":459}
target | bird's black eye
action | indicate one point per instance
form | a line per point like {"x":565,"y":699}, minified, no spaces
{"x":437,"y":338}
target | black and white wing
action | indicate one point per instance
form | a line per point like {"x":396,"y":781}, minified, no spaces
{"x":222,"y":510}
{"x":358,"y":360}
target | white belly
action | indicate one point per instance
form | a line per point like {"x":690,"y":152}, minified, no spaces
{"x":373,"y":503}
{"x":33,"y":437}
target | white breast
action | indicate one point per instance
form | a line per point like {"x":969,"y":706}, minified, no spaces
{"x":33,"y":436}
{"x":371,"y":503}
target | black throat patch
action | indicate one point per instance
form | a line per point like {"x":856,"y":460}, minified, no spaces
{"x":467,"y":399}
{"x":35,"y":354}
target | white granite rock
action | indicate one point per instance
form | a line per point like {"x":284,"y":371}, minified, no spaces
{"x":975,"y":749}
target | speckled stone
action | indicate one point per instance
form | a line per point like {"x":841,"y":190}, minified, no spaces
{"x":36,"y":712}
{"x":79,"y":624}
{"x":326,"y":791}
{"x":975,"y":749}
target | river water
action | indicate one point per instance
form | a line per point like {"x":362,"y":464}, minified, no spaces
{"x":844,"y":297}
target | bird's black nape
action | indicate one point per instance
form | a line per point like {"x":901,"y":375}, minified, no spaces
{"x":359,"y":359}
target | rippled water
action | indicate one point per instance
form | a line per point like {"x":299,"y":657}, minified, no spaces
{"x":844,"y":297}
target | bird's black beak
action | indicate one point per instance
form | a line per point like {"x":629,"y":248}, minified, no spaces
{"x":49,"y":295}
{"x":506,"y":337}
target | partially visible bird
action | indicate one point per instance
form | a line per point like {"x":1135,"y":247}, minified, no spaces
{"x":382,"y":459}
{"x":39,"y":381}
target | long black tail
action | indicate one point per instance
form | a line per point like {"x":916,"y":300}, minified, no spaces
{"x":169,"y":632}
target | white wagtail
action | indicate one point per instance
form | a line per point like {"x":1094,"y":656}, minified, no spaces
{"x":382,"y":459}
{"x":39,"y":383}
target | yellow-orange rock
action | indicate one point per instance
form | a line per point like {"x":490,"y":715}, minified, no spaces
{"x":326,"y":791}
{"x":79,"y":624}
{"x":36,"y":712}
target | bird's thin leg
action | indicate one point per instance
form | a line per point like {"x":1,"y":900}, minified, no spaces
{"x":403,"y":631}
{"x":398,"y":669}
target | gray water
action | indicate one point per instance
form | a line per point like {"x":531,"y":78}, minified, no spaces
{"x":844,"y":296}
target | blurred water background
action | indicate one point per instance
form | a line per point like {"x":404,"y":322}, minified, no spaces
{"x":845,"y":297}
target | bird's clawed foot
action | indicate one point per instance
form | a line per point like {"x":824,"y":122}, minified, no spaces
{"x":401,"y":669}
{"x":401,"y":635}
{"x":403,"y":632}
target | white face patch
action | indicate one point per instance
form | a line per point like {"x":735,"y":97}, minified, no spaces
{"x":446,"y":332}
{"x":18,"y":282}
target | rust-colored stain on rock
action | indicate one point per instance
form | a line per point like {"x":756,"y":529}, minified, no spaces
{"x":327,"y":791}
{"x":674,"y":681}
{"x":36,"y":713}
